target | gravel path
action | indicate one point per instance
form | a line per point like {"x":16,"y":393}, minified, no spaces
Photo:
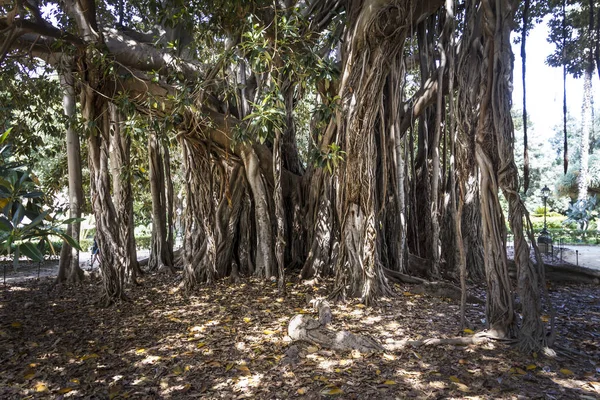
{"x":47,"y":269}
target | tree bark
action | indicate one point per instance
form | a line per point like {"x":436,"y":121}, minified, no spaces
{"x":586,"y":127}
{"x":120,"y":161}
{"x":161,"y":252}
{"x":69,"y":270}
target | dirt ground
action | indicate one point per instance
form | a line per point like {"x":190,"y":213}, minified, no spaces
{"x":229,"y":341}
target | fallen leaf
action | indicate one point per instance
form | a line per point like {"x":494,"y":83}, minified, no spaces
{"x":41,"y":387}
{"x":228,"y":366}
{"x":545,"y":318}
{"x":566,"y":371}
{"x":200,"y":345}
{"x":334,"y":390}
{"x":531,"y":366}
{"x":65,"y":390}
{"x":302,"y":390}
{"x":247,"y":320}
{"x":454,"y":379}
{"x":389,"y":383}
{"x":462,"y":387}
{"x":88,"y":356}
{"x":269,"y":332}
{"x":312,"y":349}
{"x":244,"y":369}
{"x":29,"y":374}
{"x":360,"y":305}
{"x":16,"y":324}
{"x":177,"y":370}
{"x":389,"y":357}
{"x":140,"y":351}
{"x":468,"y":331}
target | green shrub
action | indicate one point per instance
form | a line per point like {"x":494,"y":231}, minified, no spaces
{"x":553,"y":221}
{"x":143,"y":242}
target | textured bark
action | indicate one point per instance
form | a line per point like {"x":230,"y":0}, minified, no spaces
{"x":161,"y":252}
{"x":199,"y":245}
{"x":114,"y":260}
{"x":120,"y":157}
{"x":476,"y":118}
{"x":530,"y":277}
{"x":279,"y":213}
{"x":264,"y":264}
{"x":302,"y":327}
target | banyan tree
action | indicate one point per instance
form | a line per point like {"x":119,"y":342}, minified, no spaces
{"x":396,"y":172}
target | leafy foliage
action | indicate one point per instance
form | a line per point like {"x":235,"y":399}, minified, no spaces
{"x":582,"y":212}
{"x":25,"y":222}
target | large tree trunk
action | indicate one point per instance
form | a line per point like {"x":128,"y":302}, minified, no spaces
{"x":119,"y":158}
{"x":264,"y":264}
{"x":199,"y":244}
{"x":69,"y":270}
{"x":476,"y":117}
{"x":365,"y":67}
{"x":496,"y":106}
{"x":113,"y":257}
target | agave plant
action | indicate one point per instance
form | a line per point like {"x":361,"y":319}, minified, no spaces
{"x":582,"y":212}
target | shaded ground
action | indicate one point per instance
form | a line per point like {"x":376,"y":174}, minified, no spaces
{"x":227,"y":341}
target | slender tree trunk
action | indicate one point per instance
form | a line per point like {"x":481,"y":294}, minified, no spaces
{"x":279,"y":212}
{"x":69,"y":270}
{"x":586,"y":127}
{"x":435,"y":174}
{"x":161,"y":244}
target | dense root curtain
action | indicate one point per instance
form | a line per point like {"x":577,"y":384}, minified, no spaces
{"x":377,"y":34}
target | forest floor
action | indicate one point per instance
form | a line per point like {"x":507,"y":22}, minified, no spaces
{"x":229,"y":341}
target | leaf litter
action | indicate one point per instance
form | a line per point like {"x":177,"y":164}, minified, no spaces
{"x":229,"y":341}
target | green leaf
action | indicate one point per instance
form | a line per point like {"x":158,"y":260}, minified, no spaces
{"x":5,"y":135}
{"x":70,"y":241}
{"x":5,"y":224}
{"x":36,"y":221}
{"x":31,"y":251}
{"x":19,"y":214}
{"x":72,"y":220}
{"x":34,"y":194}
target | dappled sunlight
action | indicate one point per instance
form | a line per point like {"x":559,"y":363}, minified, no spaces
{"x":231,"y":342}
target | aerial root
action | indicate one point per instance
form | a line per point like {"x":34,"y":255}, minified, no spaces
{"x":476,"y":339}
